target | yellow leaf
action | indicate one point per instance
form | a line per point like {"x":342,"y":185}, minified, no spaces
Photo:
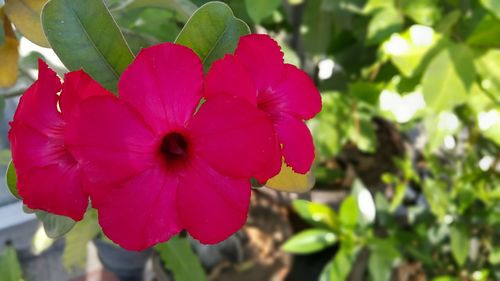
{"x":9,"y":55}
{"x":290,"y":181}
{"x":25,"y":14}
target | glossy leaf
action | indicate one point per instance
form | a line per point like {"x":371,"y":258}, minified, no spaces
{"x":84,"y":35}
{"x":448,"y":78}
{"x":180,"y":259}
{"x":310,"y":241}
{"x":75,"y":251}
{"x":10,"y":269}
{"x":261,"y":9}
{"x":459,"y":240}
{"x":11,"y":179}
{"x":41,"y":242}
{"x":25,"y":15}
{"x":349,"y":213}
{"x":9,"y":54}
{"x":289,"y":181}
{"x":183,"y":7}
{"x":316,"y":214}
{"x":55,"y":226}
{"x":341,"y":265}
{"x":212,"y":31}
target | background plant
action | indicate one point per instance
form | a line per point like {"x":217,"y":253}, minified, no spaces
{"x":411,"y":107}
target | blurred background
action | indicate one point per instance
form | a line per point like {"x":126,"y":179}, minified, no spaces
{"x":407,"y":183}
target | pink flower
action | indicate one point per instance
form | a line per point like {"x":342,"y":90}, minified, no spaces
{"x":156,"y":164}
{"x":285,"y":93}
{"x":49,"y":177}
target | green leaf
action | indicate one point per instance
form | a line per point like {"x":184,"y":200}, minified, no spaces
{"x":459,"y":240}
{"x":494,"y":256}
{"x":318,"y":27}
{"x":10,"y":269}
{"x":310,"y":241}
{"x":486,"y":33}
{"x":408,"y":49}
{"x":383,"y":254}
{"x":349,"y":212}
{"x":75,"y":250}
{"x":448,"y":78}
{"x":488,"y":67}
{"x":365,"y":91}
{"x":25,"y":15}
{"x":329,"y":127}
{"x":425,"y":12}
{"x":11,"y":179}
{"x":212,"y":31}
{"x":84,"y":35}
{"x":179,"y":258}
{"x":375,"y":5}
{"x":445,"y":278}
{"x":398,"y":197}
{"x":55,"y":226}
{"x":383,"y":24}
{"x":184,"y":8}
{"x":341,"y":265}
{"x":316,"y":214}
{"x":446,"y":24}
{"x":261,"y":9}
{"x":493,"y":6}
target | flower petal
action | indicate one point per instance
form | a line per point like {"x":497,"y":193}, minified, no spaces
{"x":164,"y":84}
{"x":295,"y":94}
{"x":297,"y":143}
{"x":139,"y":212}
{"x":110,"y":140}
{"x":32,"y":148}
{"x":273,"y":165}
{"x":78,"y":86}
{"x":55,"y":188}
{"x":262,"y":57}
{"x":228,"y":77}
{"x":233,"y":136}
{"x":38,"y":105}
{"x":211,"y":206}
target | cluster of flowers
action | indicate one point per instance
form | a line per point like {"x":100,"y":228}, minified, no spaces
{"x":175,"y":150}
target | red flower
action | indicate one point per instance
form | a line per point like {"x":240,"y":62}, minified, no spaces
{"x":156,"y":164}
{"x":257,"y":73}
{"x":49,"y":178}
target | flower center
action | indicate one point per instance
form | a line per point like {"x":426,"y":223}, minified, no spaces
{"x":174,"y":147}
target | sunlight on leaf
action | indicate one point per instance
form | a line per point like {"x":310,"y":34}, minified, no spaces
{"x":310,"y":241}
{"x":9,"y":54}
{"x":41,"y":241}
{"x":25,"y":15}
{"x":290,"y":181}
{"x":75,"y":252}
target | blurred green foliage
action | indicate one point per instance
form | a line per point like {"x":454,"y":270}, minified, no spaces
{"x":429,"y":70}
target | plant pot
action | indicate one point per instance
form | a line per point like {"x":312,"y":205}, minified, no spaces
{"x":126,"y":265}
